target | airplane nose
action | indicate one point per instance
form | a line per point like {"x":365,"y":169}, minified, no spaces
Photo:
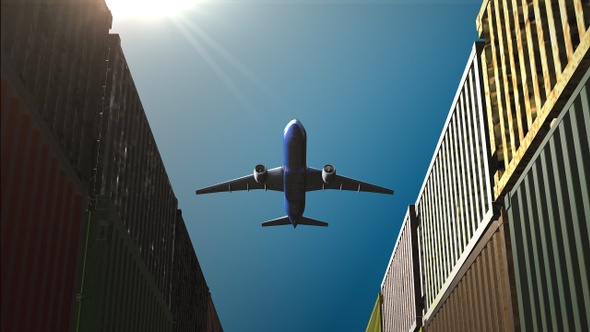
{"x":294,"y":128}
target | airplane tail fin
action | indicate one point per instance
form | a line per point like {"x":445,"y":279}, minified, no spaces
{"x":285,"y":221}
{"x":277,"y":222}
{"x":311,"y":222}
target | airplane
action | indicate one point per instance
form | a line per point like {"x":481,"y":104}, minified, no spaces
{"x":294,"y":178}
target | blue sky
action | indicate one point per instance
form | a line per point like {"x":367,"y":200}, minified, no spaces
{"x":372,"y":82}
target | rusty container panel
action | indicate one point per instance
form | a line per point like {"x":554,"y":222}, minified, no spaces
{"x":481,"y":297}
{"x":43,"y":203}
{"x":535,"y":52}
{"x":549,"y":209}
{"x":402,"y":302}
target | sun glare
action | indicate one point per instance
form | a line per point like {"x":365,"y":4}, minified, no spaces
{"x":149,"y":9}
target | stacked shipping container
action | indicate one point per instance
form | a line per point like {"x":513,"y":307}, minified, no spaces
{"x":52,"y":72}
{"x":454,"y":205}
{"x":131,"y":171}
{"x":549,"y":213}
{"x":73,"y":127}
{"x":117,"y":293}
{"x":537,"y":59}
{"x":480,"y":297}
{"x":402,"y":302}
{"x":58,"y":50}
{"x":42,"y":204}
{"x":453,"y":211}
{"x":515,"y":258}
{"x":191,"y":300}
{"x":535,"y":53}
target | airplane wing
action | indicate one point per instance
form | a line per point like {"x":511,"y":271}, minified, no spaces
{"x":314,"y":181}
{"x":274,"y":181}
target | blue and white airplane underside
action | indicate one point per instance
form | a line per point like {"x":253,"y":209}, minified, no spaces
{"x":294,"y":178}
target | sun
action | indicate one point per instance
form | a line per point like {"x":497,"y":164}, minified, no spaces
{"x":149,"y":9}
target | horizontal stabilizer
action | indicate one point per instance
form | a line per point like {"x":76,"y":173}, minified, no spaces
{"x":311,"y":222}
{"x":277,"y":222}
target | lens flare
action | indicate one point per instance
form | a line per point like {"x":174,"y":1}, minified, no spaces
{"x":149,"y":9}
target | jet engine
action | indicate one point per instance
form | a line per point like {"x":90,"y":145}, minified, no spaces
{"x":328,"y":173}
{"x":260,"y":173}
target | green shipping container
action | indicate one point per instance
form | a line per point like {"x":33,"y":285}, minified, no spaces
{"x":117,"y":292}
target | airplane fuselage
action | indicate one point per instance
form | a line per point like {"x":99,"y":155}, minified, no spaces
{"x":294,"y":163}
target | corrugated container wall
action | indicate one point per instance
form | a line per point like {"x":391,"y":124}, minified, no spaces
{"x":76,"y":127}
{"x":42,"y":205}
{"x":58,"y":49}
{"x":454,"y":205}
{"x":481,"y":296}
{"x":117,"y":292}
{"x":535,"y":52}
{"x":401,"y":294}
{"x":549,"y":211}
{"x":190,"y":294}
{"x":131,"y":171}
{"x":52,"y":64}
